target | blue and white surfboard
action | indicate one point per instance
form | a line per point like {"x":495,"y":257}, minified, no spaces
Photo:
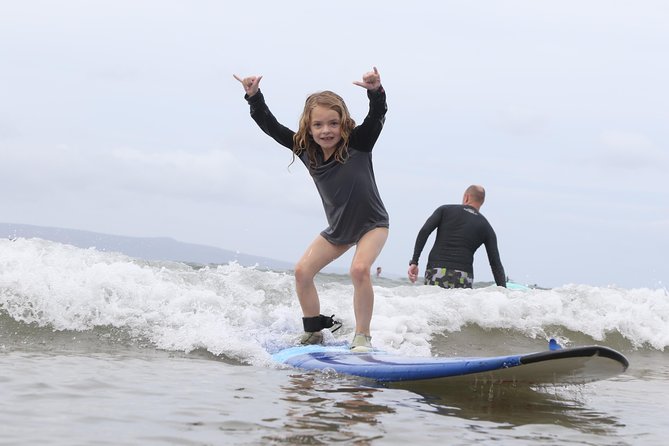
{"x":557,"y":366}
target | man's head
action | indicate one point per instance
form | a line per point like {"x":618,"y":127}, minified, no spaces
{"x":474,"y":196}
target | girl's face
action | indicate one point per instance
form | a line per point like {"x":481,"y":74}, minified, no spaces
{"x":325,"y":127}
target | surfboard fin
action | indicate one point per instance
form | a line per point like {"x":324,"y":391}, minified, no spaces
{"x":553,"y":345}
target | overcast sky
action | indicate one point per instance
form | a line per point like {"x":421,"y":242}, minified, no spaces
{"x":123,"y":117}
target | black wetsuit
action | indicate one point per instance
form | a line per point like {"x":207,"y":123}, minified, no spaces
{"x":460,"y":231}
{"x":350,"y":197}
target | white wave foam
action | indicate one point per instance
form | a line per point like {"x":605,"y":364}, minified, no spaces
{"x":243,"y":312}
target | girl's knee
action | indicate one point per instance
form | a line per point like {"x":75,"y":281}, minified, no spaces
{"x":359,"y":272}
{"x":299,"y":271}
{"x":302,"y":273}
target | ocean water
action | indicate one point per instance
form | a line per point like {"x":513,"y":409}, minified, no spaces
{"x":97,"y":348}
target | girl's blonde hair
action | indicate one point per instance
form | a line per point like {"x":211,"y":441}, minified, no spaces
{"x":304,"y":141}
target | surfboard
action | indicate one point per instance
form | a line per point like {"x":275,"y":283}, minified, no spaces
{"x":556,"y":366}
{"x":516,"y":286}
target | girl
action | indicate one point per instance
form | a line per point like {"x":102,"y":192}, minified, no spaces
{"x":338,"y":155}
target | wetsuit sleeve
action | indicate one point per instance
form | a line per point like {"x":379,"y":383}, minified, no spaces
{"x":493,"y":258}
{"x":430,"y":225}
{"x":365,"y":135}
{"x":267,"y":122}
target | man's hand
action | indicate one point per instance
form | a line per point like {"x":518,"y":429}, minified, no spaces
{"x":413,"y":273}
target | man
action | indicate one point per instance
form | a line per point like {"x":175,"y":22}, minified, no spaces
{"x":461,"y":229}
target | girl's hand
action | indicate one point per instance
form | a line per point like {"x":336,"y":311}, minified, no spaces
{"x":370,"y":80}
{"x":251,"y":84}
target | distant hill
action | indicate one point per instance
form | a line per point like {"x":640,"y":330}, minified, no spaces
{"x":155,"y":248}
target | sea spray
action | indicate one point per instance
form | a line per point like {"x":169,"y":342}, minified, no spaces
{"x":247,"y":313}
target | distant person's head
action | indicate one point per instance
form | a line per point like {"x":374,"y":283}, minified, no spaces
{"x":474,"y":196}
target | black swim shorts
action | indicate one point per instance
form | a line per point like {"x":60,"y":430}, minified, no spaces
{"x":448,"y":278}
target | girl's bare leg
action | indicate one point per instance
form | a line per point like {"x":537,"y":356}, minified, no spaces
{"x":367,"y":250}
{"x":318,"y":255}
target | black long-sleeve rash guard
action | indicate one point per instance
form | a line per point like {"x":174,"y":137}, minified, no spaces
{"x":461,"y":230}
{"x":348,"y":190}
